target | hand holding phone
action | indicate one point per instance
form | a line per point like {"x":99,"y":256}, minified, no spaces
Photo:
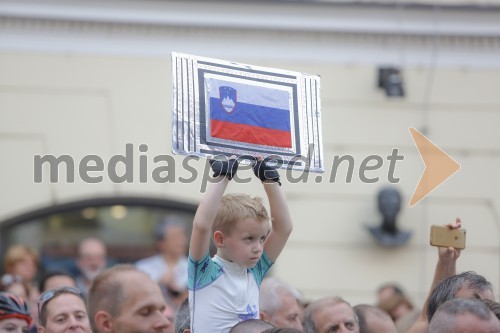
{"x":445,"y":237}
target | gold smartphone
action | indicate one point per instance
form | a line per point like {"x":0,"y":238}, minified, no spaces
{"x":446,"y":237}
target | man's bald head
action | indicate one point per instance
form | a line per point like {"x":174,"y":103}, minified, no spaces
{"x":251,"y":326}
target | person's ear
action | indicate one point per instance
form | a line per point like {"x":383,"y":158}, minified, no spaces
{"x":265,"y":316}
{"x":187,"y":330}
{"x":41,"y":329}
{"x":103,"y":322}
{"x":219,"y":238}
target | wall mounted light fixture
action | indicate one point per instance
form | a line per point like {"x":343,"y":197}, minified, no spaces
{"x":391,"y":80}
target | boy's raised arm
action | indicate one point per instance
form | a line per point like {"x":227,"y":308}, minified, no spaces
{"x":207,"y":209}
{"x":281,"y":221}
{"x":280,"y":216}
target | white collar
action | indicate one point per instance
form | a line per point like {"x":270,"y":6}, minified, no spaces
{"x":230,"y":266}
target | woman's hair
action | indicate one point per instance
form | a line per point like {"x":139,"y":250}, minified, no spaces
{"x":17,"y":253}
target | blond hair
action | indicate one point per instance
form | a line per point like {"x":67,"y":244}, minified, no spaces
{"x":17,"y":253}
{"x":236,"y":207}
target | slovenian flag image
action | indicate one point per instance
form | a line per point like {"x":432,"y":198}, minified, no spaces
{"x":226,"y":108}
{"x":249,"y":113}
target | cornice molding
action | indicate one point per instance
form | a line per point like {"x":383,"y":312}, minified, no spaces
{"x":152,"y":27}
{"x":293,"y":17}
{"x":149,"y":30}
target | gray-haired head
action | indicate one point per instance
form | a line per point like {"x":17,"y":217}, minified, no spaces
{"x":271,"y":291}
{"x":182,"y":317}
{"x":309,"y":323}
{"x":446,"y":317}
{"x":447,"y":289}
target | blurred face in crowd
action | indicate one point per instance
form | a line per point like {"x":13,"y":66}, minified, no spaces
{"x":66,"y":313}
{"x":399,"y":311}
{"x":18,"y":289}
{"x":143,"y":308}
{"x":91,"y":258}
{"x":288,"y":315}
{"x":175,"y":241}
{"x":58,"y":281}
{"x":25,"y":268}
{"x":338,"y":318}
{"x":380,"y":324}
{"x":13,"y":325}
{"x":385,"y":294}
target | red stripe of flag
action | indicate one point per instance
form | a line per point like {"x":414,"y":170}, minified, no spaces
{"x":250,"y":134}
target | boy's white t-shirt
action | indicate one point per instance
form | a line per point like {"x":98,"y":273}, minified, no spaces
{"x":222,"y":293}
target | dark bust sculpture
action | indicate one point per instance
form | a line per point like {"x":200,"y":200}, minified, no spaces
{"x":389,"y":205}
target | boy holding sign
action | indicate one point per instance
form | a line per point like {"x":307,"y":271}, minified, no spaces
{"x":224,"y":290}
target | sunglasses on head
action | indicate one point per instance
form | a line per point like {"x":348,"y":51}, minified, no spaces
{"x":50,"y":294}
{"x":9,"y":279}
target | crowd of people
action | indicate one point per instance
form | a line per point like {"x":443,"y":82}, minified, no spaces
{"x":172,"y":292}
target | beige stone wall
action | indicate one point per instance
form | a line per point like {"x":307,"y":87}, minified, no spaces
{"x":79,"y":105}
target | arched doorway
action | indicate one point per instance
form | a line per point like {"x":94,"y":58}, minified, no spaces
{"x":125,"y":224}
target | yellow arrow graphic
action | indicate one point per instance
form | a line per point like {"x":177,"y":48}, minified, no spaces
{"x":439,"y":166}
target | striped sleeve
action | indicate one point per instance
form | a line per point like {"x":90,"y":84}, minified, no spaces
{"x":202,"y":273}
{"x":261,"y":268}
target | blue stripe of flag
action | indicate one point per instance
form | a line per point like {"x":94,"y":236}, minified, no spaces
{"x":250,"y":114}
